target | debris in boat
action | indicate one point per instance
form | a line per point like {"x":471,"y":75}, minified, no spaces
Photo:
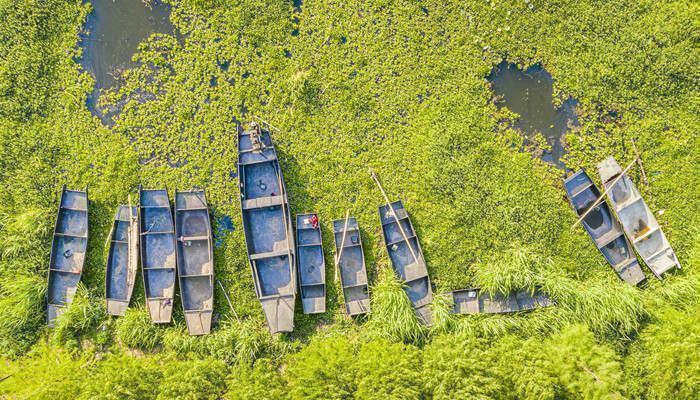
{"x":122,"y":259}
{"x":70,"y":237}
{"x":350,"y":261}
{"x":636,"y":219}
{"x":475,"y":301}
{"x":311,"y":263}
{"x":195,"y":260}
{"x":158,"y":258}
{"x":268,"y":227}
{"x":603,"y":228}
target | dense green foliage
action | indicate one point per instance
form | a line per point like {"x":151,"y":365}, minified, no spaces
{"x":398,"y":86}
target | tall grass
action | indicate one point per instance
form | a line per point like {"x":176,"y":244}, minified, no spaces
{"x":79,"y":319}
{"x":21,"y":312}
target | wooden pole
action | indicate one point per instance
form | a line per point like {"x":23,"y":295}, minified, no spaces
{"x":342,"y":243}
{"x":602,"y":196}
{"x":396,"y":218}
{"x":227,"y":299}
{"x":639,"y":161}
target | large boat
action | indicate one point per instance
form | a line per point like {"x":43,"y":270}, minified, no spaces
{"x":311,"y":263}
{"x":122,"y":259}
{"x":70,"y":237}
{"x":474,"y":301}
{"x":158,"y":258}
{"x":195,"y":260}
{"x":637,"y":220}
{"x":268,"y":227}
{"x":351,"y":263}
{"x":603,"y":228}
{"x":408,"y":262}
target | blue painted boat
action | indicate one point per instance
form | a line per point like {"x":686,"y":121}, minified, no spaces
{"x":603,"y":228}
{"x":408,"y":263}
{"x":195,"y":260}
{"x":70,"y":237}
{"x":351,"y":263}
{"x":158,"y":257}
{"x":311,"y":264}
{"x":268,"y":227}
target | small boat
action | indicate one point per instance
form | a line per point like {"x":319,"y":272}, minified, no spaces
{"x":267,"y":226}
{"x":408,"y":263}
{"x":158,"y":258}
{"x":195,"y":260}
{"x":474,"y":301}
{"x":311,"y":264}
{"x":351,"y":262}
{"x":637,"y":220}
{"x":70,"y":237}
{"x":122,"y":259}
{"x":603,"y":228}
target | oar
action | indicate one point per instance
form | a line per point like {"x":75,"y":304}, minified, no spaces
{"x":342,"y":243}
{"x":396,"y":218}
{"x":602,"y":196}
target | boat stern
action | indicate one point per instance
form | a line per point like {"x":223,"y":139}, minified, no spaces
{"x":160,"y":310}
{"x":198,"y":322}
{"x":117,"y":307}
{"x":314,"y":305}
{"x":279,"y":313}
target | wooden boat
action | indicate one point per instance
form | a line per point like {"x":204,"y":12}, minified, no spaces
{"x":603,"y":228}
{"x":122,"y":259}
{"x":195,"y":260}
{"x":637,"y":220}
{"x":353,"y":273}
{"x":408,"y":263}
{"x":474,"y":301}
{"x":70,"y":237}
{"x":311,"y":264}
{"x":268,"y":228}
{"x":158,"y":258}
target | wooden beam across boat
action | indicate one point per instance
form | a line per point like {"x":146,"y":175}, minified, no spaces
{"x":637,"y":220}
{"x":158,"y":257}
{"x":122,"y":260}
{"x":311,"y":264}
{"x":268,"y":227}
{"x":351,"y":263}
{"x":70,"y":237}
{"x":195,"y":259}
{"x":603,"y":228}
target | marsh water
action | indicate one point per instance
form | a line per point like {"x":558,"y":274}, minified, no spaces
{"x":114,"y":30}
{"x":529,"y":93}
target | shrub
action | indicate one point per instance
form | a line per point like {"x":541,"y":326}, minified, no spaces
{"x":388,"y":371}
{"x":259,"y":381}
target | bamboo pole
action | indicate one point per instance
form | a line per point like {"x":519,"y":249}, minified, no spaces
{"x":227,"y":299}
{"x":396,"y":218}
{"x":602,"y":196}
{"x":342,"y":243}
{"x":639,"y":161}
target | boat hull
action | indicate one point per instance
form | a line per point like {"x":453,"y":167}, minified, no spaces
{"x":122,"y":260}
{"x":311,"y":264}
{"x":474,"y":301}
{"x":351,"y":263}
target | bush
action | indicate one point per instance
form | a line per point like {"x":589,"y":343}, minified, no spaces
{"x":193,"y":380}
{"x":259,"y":381}
{"x":388,"y":371}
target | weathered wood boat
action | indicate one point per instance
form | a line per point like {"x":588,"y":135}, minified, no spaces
{"x":70,"y":237}
{"x":474,"y":301}
{"x":158,"y":258}
{"x":311,"y":263}
{"x":637,"y":220}
{"x":268,"y":227}
{"x":351,"y":263}
{"x":603,"y":228}
{"x":195,"y":260}
{"x":408,"y":262}
{"x":122,"y":259}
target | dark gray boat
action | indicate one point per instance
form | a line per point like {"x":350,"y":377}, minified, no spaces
{"x":195,"y":260}
{"x":603,"y":228}
{"x":70,"y":237}
{"x":268,"y":227}
{"x":311,"y":263}
{"x":408,"y":263}
{"x":474,"y":301}
{"x":351,"y":262}
{"x":158,"y":258}
{"x":122,"y":259}
{"x":637,"y":220}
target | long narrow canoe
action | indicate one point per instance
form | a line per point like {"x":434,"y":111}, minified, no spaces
{"x":311,"y":264}
{"x":158,"y":259}
{"x":122,"y":259}
{"x":412,"y":271}
{"x":474,"y":301}
{"x":70,"y":237}
{"x":268,"y":228}
{"x":637,"y":220}
{"x":195,"y":260}
{"x":603,"y":228}
{"x":353,"y":273}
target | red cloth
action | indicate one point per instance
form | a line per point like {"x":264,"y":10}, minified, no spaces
{"x":314,"y":221}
